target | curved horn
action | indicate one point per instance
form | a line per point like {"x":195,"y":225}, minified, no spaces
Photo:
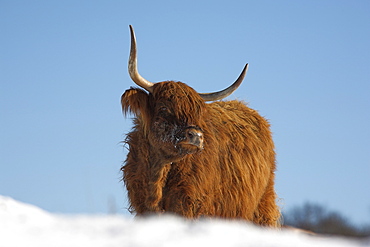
{"x":132,"y":66}
{"x":227,"y":91}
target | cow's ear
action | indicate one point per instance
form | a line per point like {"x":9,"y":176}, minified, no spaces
{"x":135,"y":101}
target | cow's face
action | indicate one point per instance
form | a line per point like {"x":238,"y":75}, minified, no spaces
{"x":176,"y":126}
{"x":171,"y":118}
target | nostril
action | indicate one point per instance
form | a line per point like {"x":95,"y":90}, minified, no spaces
{"x":191,"y":134}
{"x":194,"y":134}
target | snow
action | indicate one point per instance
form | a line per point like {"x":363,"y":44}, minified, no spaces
{"x":26,"y":225}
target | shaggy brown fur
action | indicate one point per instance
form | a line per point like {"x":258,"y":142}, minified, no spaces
{"x":231,"y":177}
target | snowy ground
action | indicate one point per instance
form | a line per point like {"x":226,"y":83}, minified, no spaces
{"x":26,"y":225}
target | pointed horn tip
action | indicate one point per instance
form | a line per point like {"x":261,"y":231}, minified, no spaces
{"x":246,"y":67}
{"x":243,"y":73}
{"x":132,"y":32}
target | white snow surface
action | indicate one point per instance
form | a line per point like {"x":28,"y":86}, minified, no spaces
{"x":26,"y":225}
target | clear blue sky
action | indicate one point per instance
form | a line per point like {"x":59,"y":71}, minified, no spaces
{"x":63,"y":68}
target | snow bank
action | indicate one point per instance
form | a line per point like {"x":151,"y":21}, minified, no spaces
{"x":26,"y":225}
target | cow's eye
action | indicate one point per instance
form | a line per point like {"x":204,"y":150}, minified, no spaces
{"x":163,"y":109}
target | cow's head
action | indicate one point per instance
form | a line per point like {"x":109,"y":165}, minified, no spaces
{"x":171,"y":114}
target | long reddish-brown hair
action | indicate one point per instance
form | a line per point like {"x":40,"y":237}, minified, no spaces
{"x":232,"y":177}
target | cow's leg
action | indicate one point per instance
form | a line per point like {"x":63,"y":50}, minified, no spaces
{"x":183,"y":205}
{"x":268,"y":213}
{"x":157,"y":178}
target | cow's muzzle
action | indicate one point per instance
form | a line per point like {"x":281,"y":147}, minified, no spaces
{"x":191,"y":136}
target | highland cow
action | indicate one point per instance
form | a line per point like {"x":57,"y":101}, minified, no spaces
{"x":197,"y":159}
